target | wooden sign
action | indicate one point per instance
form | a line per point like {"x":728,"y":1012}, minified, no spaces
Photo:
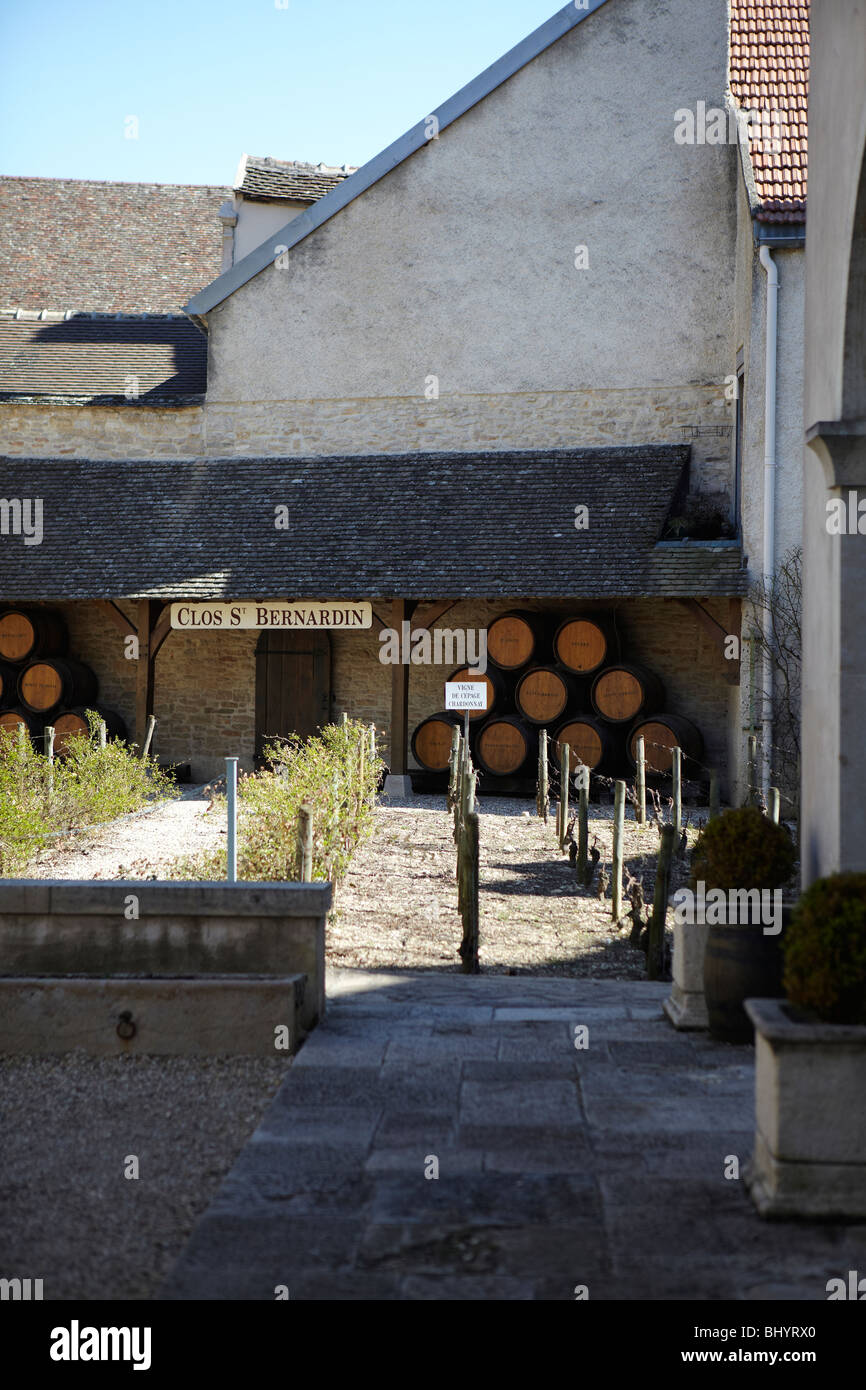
{"x":274,"y":613}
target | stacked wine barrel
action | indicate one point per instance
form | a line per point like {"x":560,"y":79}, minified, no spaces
{"x":40,"y":684}
{"x":565,"y":675}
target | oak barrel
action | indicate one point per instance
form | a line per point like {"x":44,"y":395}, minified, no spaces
{"x":73,"y":722}
{"x":493,"y":683}
{"x":13,"y":719}
{"x":589,"y":740}
{"x":28,"y":633}
{"x":505,"y":744}
{"x":583,"y":645}
{"x":543,"y":694}
{"x":431,"y":741}
{"x":46,"y":684}
{"x":621,"y":693}
{"x":514,"y":639}
{"x":661,"y":734}
{"x":8,"y":684}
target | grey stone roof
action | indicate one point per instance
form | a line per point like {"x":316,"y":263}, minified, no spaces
{"x":98,"y":357}
{"x":410,"y":525}
{"x":265,"y":180}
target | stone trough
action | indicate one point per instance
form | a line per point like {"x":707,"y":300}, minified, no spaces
{"x":181,"y":968}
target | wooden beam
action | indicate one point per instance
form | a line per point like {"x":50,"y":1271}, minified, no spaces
{"x":717,"y":635}
{"x":147,"y":614}
{"x":401,"y":611}
{"x":117,"y":616}
{"x":161,"y":629}
{"x":437,"y":611}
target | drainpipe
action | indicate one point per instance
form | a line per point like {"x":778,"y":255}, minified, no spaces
{"x":769,"y":555}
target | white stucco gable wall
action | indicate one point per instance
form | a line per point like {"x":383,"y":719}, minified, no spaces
{"x":460,"y":262}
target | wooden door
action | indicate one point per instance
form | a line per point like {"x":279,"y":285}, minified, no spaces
{"x":293,"y":685}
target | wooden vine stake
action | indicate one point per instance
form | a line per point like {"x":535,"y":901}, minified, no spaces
{"x":640,"y":782}
{"x":583,"y":824}
{"x":677,"y":778}
{"x":715,"y":801}
{"x":752,"y":791}
{"x":148,"y":738}
{"x":542,"y":798}
{"x":618,"y":837}
{"x":49,"y":753}
{"x":469,"y":895}
{"x":655,"y":946}
{"x":305,"y":842}
{"x":564,"y":752}
{"x":453,"y":767}
{"x":775,"y":798}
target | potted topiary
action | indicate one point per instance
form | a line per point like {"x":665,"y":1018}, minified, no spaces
{"x":810,"y":1063}
{"x":726,"y":938}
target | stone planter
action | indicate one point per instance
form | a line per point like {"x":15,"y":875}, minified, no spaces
{"x":685,"y":1006}
{"x":810,"y":1132}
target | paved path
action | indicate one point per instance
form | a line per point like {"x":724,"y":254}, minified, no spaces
{"x":558,"y":1167}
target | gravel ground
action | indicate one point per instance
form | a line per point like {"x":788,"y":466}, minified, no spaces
{"x":397,"y":908}
{"x":67,"y":1126}
{"x":141,"y":845}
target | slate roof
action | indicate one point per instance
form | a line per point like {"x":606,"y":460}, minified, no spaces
{"x":413,"y":526}
{"x":770,"y":72}
{"x":131,"y":248}
{"x":93,"y":357}
{"x":267,"y":179}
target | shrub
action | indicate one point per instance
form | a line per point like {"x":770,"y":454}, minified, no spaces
{"x":90,"y":785}
{"x":825,"y":950}
{"x":323,"y":772}
{"x":743,"y":849}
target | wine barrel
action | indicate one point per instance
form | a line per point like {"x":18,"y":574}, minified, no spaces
{"x":621,"y":693}
{"x":543,"y":694}
{"x":583,"y":645}
{"x":661,"y":734}
{"x":431,"y":741}
{"x":73,"y":722}
{"x":590,"y":742}
{"x":53,"y":681}
{"x":515,"y":639}
{"x":492,"y":681}
{"x":8,"y":684}
{"x":13,"y":719}
{"x":25,"y":634}
{"x":505,"y":744}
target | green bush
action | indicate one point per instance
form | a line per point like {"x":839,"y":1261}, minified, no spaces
{"x":743,"y":849}
{"x":90,"y":785}
{"x":323,"y":772}
{"x":825,"y":950}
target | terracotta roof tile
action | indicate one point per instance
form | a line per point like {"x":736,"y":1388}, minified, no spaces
{"x":769,"y":60}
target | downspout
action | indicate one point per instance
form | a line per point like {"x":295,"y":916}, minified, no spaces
{"x":769,"y":555}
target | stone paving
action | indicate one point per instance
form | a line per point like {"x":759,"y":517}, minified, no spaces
{"x":558,"y":1167}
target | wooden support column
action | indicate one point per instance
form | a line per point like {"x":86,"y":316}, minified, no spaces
{"x":148,"y":614}
{"x":401,"y":611}
{"x":730,"y":666}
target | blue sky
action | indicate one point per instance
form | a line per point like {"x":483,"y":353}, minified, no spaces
{"x":330,"y":80}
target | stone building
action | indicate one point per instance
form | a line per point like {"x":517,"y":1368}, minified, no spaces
{"x":549,"y":294}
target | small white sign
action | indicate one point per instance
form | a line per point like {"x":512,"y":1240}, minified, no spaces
{"x":464,"y":695}
{"x":274,"y":613}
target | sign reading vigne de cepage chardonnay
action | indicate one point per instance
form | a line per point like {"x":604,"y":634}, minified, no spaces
{"x":273,"y":613}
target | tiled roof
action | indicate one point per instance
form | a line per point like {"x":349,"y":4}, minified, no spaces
{"x":93,"y":356}
{"x":413,"y":526}
{"x":128,"y":248}
{"x":266,"y":179}
{"x":770,"y":73}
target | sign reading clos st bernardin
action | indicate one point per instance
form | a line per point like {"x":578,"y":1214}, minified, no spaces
{"x":273,"y":613}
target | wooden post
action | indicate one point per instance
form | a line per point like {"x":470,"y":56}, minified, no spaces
{"x":401,"y":612}
{"x":469,"y":944}
{"x":715,"y":803}
{"x":618,"y":837}
{"x":775,"y":799}
{"x":151,"y":725}
{"x":677,"y":777}
{"x":453,"y":767}
{"x":103,"y":733}
{"x":362,"y":771}
{"x":148,"y":611}
{"x":305,"y":842}
{"x":544,"y":790}
{"x":640,"y":783}
{"x":372,"y":741}
{"x":583,"y":825}
{"x":49,"y":753}
{"x":564,"y":753}
{"x":655,"y":950}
